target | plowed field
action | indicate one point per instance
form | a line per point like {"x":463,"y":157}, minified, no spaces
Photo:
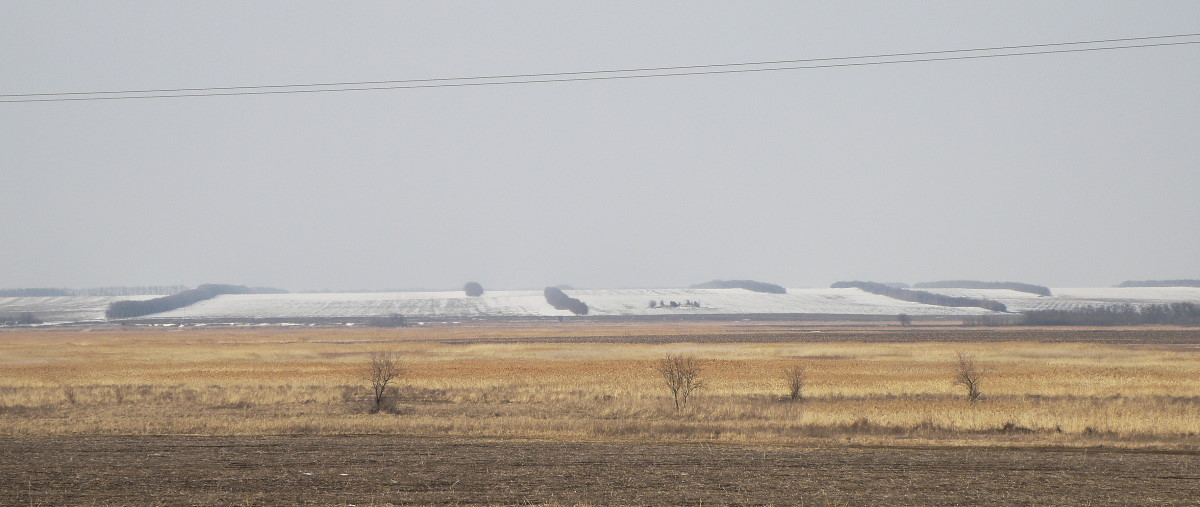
{"x":381,"y":470}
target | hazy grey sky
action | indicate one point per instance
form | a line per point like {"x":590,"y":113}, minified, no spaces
{"x":1065,"y":170}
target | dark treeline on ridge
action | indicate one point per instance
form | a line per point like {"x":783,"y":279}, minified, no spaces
{"x":561,"y":301}
{"x":1160,"y":283}
{"x":131,"y":309}
{"x":973,"y":284}
{"x":917,"y":296}
{"x":751,"y":285}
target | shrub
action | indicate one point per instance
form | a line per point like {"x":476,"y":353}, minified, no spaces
{"x":795,"y":378}
{"x":383,"y":368}
{"x":968,"y":375}
{"x":681,"y":375}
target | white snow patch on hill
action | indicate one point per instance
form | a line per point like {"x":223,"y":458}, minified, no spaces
{"x":532,"y":303}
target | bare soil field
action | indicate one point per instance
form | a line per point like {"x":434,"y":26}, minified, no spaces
{"x":386,"y":470}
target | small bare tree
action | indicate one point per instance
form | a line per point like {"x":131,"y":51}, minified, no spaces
{"x":682,"y":376}
{"x":795,"y":377}
{"x":968,"y":375}
{"x":383,"y":368}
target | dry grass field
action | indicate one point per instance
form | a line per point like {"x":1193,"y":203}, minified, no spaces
{"x":311,"y":381}
{"x":520,"y":385}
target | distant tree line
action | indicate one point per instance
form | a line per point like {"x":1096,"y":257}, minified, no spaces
{"x":143,"y":290}
{"x":561,"y":301}
{"x":993,"y":320}
{"x":750,"y":285}
{"x":973,"y":284}
{"x":1177,"y":314}
{"x":20,"y":319}
{"x":393,"y":320}
{"x":918,"y":296}
{"x":1160,"y":283}
{"x":131,"y":309}
{"x":34,"y":293}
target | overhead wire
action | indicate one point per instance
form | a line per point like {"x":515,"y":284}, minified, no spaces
{"x":576,"y":76}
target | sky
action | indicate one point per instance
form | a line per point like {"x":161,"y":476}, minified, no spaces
{"x":1077,"y":169}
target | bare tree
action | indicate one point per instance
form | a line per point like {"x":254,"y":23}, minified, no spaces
{"x":682,"y":376}
{"x":383,"y":368}
{"x":968,"y":375}
{"x":905,"y":319}
{"x":795,"y":377}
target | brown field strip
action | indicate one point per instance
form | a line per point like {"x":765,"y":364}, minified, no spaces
{"x":388,"y":470}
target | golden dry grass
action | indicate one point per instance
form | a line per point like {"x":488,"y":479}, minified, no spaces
{"x":281,"y":381}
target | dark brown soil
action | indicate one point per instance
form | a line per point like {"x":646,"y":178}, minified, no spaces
{"x":374,"y":470}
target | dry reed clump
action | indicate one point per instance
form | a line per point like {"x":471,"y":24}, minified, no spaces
{"x":262,"y":384}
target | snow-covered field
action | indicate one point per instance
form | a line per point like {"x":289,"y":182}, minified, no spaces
{"x":622,"y":302}
{"x":1075,"y":298}
{"x":531,"y":303}
{"x":63,"y":308}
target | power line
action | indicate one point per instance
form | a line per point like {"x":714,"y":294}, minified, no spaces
{"x":595,"y":75}
{"x":551,"y":74}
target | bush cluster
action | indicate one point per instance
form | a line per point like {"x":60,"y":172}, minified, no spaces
{"x":561,"y":301}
